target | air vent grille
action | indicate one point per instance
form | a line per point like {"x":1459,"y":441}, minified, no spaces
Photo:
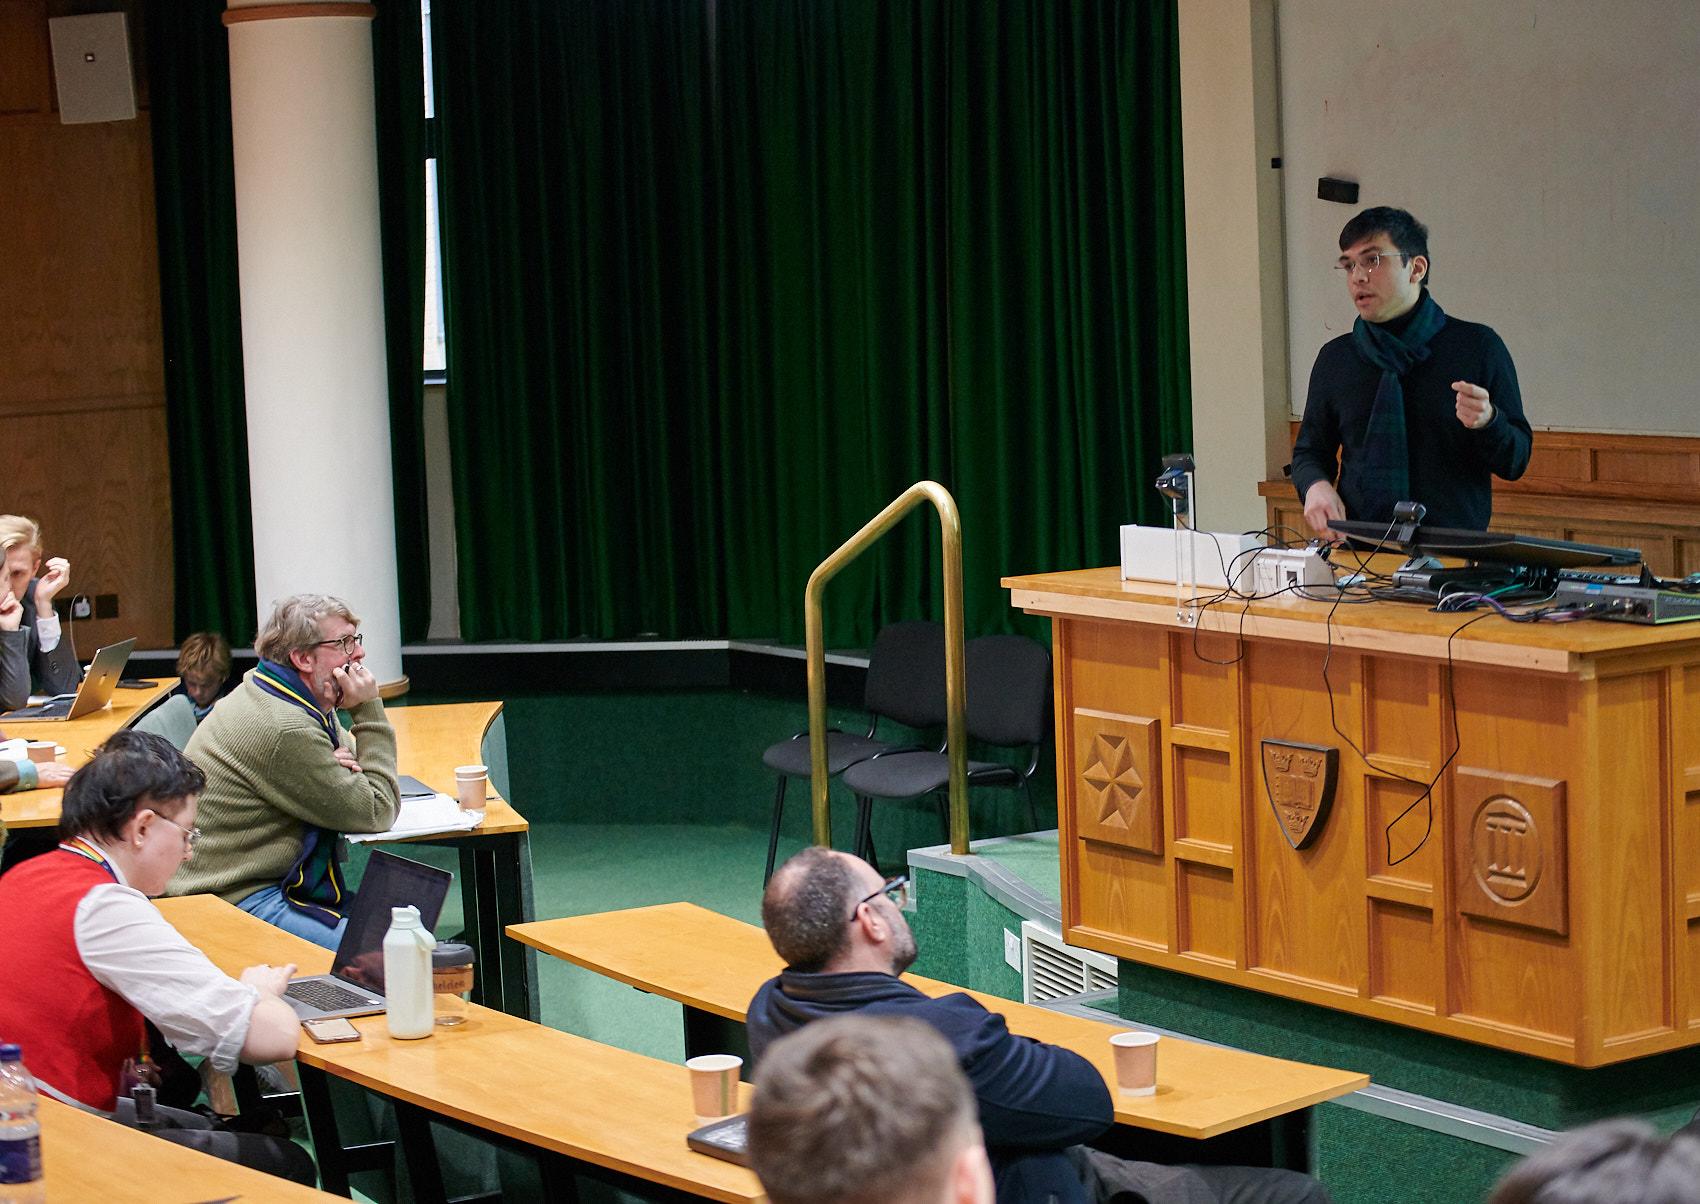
{"x":1058,"y":971}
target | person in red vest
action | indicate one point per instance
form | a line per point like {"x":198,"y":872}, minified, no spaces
{"x":89,"y":958}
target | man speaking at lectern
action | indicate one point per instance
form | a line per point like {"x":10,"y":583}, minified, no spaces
{"x":1418,"y":405}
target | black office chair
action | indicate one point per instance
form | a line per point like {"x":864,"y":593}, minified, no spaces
{"x":905,"y":684}
{"x":1009,"y":706}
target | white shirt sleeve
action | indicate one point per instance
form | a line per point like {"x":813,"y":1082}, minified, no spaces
{"x":132,"y":949}
{"x":47,"y":632}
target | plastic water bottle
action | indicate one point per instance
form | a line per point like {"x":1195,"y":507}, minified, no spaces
{"x":20,"y":1132}
{"x":407,"y":975}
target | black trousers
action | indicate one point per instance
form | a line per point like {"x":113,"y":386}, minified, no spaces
{"x":273,"y":1155}
{"x":1112,"y":1180}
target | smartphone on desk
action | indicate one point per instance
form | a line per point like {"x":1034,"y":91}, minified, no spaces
{"x":329,"y":1030}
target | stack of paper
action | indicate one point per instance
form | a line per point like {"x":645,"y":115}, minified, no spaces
{"x":425,"y":816}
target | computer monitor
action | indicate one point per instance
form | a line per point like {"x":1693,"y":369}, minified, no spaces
{"x":1483,"y":547}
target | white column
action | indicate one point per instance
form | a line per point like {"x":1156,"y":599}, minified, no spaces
{"x":1236,"y":274}
{"x":302,"y":119}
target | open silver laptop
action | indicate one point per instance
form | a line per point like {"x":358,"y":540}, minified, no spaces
{"x":355,"y":985}
{"x":95,"y":692}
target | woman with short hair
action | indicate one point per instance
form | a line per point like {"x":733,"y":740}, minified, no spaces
{"x":89,"y":958}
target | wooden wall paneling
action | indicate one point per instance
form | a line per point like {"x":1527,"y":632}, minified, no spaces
{"x":1307,"y":907}
{"x":99,"y":483}
{"x":25,"y":60}
{"x":1123,"y":880}
{"x":1512,"y":725}
{"x":1633,"y":982}
{"x":83,"y":388}
{"x":1201,"y":796}
{"x":1685,"y":802}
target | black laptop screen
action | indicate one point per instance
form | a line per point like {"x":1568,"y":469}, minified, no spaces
{"x":390,"y":881}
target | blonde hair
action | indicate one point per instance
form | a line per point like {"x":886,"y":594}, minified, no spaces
{"x":205,"y":652}
{"x":294,"y":623}
{"x":16,"y":531}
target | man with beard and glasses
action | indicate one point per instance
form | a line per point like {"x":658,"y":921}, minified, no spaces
{"x":844,"y":941}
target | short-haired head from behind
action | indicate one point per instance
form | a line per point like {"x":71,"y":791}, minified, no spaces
{"x":1613,"y":1162}
{"x":806,"y":907}
{"x":130,"y":771}
{"x":866,"y":1110}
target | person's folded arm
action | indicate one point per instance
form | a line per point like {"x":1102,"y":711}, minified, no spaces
{"x":310,"y":784}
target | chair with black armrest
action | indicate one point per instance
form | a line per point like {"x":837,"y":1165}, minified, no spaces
{"x":1009,"y":706}
{"x":905,"y":684}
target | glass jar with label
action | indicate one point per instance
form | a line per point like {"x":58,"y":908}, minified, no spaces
{"x":451,"y":975}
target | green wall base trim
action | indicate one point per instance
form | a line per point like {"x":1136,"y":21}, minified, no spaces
{"x":1368,"y":1159}
{"x":993,"y":877}
{"x":940,"y":925}
{"x":1529,"y":1090}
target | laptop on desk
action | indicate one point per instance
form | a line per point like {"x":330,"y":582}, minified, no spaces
{"x":95,"y":692}
{"x":355,"y":985}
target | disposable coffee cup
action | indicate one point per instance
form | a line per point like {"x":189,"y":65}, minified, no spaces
{"x":1136,"y":1062}
{"x":42,"y":751}
{"x":714,"y":1085}
{"x":470,"y":783}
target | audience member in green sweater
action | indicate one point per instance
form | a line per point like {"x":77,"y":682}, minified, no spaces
{"x":285,"y":779}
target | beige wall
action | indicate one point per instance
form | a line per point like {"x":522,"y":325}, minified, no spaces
{"x":1235,"y":277}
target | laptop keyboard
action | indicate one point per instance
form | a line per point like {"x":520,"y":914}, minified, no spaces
{"x":326,"y":996}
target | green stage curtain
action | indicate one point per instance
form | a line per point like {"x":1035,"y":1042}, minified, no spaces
{"x":577,"y":220}
{"x":195,"y":198}
{"x":189,"y":76}
{"x":841,"y":246}
{"x":398,"y":64}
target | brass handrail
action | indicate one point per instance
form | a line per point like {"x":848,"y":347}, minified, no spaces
{"x":955,"y":675}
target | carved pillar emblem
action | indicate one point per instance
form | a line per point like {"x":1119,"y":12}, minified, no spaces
{"x":1506,"y":846}
{"x":1508,"y":858}
{"x":1299,"y":780}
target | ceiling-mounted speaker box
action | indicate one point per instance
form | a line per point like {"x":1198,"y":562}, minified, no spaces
{"x":91,"y":66}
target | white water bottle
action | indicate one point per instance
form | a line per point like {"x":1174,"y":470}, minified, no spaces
{"x":407,"y":975}
{"x":20,"y":1132}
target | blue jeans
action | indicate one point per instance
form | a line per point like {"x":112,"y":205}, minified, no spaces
{"x":268,"y":904}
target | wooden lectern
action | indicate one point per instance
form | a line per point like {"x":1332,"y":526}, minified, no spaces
{"x":1547,"y":902}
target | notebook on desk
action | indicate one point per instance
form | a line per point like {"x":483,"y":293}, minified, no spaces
{"x":94,"y":692}
{"x":355,"y":985}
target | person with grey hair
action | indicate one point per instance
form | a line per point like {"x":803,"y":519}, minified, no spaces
{"x":285,"y":779}
{"x":867,"y":1110}
{"x":1613,"y":1162}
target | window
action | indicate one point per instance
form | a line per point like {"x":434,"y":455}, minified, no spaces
{"x":436,"y":356}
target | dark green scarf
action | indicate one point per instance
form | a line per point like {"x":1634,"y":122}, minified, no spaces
{"x":1383,"y":463}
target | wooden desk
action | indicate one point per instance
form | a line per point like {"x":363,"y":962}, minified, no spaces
{"x":712,"y":963}
{"x":588,"y":1107}
{"x":1553,"y":905}
{"x":40,"y":808}
{"x":88,"y":1157}
{"x":495,"y":857}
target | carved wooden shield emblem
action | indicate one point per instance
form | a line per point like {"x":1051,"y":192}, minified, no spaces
{"x":1299,"y":779}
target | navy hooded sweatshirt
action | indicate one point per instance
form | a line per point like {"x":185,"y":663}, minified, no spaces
{"x":1035,"y":1099}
